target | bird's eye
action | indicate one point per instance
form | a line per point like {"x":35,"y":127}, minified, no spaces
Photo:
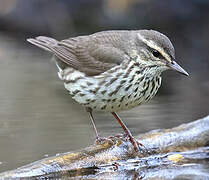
{"x":156,"y":53}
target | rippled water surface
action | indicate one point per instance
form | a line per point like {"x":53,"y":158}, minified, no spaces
{"x":38,"y":118}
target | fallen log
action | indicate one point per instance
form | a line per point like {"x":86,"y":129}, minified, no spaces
{"x":165,"y":149}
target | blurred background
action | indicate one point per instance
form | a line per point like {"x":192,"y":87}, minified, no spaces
{"x":37,"y":116}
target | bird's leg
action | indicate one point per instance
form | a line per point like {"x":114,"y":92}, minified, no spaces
{"x":99,"y":139}
{"x":89,"y":110}
{"x":135,"y":143}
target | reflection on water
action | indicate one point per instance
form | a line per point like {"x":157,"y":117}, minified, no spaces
{"x":38,"y":117}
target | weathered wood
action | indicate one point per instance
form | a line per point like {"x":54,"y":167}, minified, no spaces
{"x":165,"y":146}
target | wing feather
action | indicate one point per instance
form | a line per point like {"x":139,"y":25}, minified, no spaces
{"x":93,"y":54}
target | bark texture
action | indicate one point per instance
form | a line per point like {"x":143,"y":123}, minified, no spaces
{"x":165,"y":148}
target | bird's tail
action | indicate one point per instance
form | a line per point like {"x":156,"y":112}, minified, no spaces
{"x":43,"y":42}
{"x":48,"y":44}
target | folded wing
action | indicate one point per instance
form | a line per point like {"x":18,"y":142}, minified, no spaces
{"x":92,"y":54}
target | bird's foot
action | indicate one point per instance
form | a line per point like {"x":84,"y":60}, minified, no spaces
{"x":138,"y":147}
{"x":102,"y":140}
{"x":116,"y":136}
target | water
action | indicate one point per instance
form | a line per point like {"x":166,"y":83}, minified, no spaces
{"x":38,"y":118}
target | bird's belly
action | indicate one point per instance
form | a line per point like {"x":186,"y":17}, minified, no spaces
{"x":125,"y":99}
{"x":112,"y":93}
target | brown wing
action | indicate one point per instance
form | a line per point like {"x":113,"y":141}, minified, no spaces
{"x":93,"y":54}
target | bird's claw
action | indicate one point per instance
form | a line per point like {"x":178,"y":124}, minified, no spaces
{"x":138,"y":147}
{"x":102,"y":140}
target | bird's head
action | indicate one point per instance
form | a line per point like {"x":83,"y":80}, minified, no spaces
{"x":155,"y":49}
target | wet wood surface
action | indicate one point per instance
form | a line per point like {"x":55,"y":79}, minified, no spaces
{"x":167,"y":151}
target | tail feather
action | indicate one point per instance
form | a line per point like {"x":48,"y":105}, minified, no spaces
{"x":64,"y":56}
{"x":43,"y":42}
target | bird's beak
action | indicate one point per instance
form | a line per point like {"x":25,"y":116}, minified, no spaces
{"x":173,"y":65}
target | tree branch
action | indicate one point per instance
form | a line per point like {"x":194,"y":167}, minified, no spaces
{"x":166,"y":146}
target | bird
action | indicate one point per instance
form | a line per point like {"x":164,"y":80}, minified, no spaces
{"x":112,"y":70}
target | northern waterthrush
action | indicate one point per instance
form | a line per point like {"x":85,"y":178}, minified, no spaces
{"x":112,"y":70}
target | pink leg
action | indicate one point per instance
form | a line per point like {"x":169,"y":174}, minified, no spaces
{"x":128,"y":133}
{"x":99,"y":139}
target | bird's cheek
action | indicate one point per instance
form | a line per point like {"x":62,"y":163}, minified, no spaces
{"x":162,"y":66}
{"x":161,"y":63}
